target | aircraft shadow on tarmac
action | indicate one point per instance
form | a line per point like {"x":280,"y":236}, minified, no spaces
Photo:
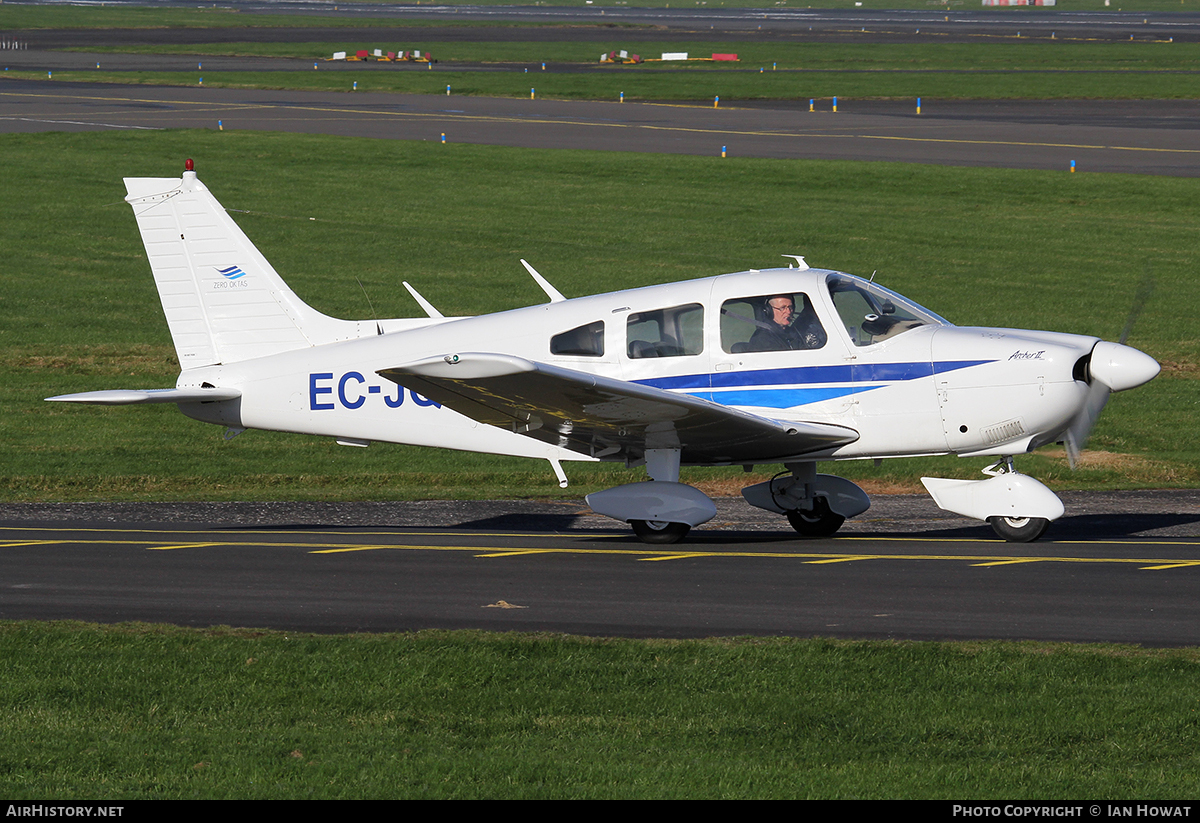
{"x":1101,"y":526}
{"x":1087,"y":526}
{"x":1079,"y":527}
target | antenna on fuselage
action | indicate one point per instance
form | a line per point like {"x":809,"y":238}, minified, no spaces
{"x":554,"y":294}
{"x":425,"y":304}
{"x":800,"y":264}
{"x":371,"y":306}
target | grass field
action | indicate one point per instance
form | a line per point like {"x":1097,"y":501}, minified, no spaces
{"x":730,"y":86}
{"x":981,"y":246}
{"x":990,"y":69}
{"x":990,"y":54}
{"x":154,"y":712}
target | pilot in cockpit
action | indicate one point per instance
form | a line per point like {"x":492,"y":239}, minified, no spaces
{"x":785,"y":329}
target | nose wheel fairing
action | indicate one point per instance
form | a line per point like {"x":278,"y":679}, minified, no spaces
{"x":1018,"y":507}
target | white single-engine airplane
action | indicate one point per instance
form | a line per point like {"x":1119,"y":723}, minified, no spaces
{"x":790,"y":365}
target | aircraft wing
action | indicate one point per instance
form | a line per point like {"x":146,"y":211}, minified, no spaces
{"x":129,"y":397}
{"x":604,"y":417}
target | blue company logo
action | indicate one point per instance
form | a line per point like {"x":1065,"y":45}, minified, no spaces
{"x":350,"y":394}
{"x":232,"y":273}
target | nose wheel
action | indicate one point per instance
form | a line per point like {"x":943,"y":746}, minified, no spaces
{"x":1019,"y":529}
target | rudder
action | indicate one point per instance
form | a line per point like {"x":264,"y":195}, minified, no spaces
{"x":223,"y":301}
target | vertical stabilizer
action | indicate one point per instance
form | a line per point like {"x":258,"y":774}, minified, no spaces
{"x":223,"y":300}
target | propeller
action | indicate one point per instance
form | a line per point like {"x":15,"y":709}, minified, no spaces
{"x":1111,"y":367}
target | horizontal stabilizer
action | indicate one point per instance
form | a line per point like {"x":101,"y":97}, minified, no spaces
{"x":131,"y":397}
{"x":605,"y":417}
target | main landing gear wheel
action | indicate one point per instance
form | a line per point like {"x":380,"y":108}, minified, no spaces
{"x":820,"y":522}
{"x":1019,"y":529}
{"x":659,"y":531}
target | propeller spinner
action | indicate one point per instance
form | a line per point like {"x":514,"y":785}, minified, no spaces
{"x":1111,"y":367}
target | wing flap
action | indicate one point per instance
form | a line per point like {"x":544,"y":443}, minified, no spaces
{"x":605,"y":417}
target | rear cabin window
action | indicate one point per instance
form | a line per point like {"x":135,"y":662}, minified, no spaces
{"x":672,"y":332}
{"x":770,"y":322}
{"x":583,"y":341}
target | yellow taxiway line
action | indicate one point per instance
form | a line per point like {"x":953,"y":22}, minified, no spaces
{"x":197,"y":106}
{"x":495,"y":552}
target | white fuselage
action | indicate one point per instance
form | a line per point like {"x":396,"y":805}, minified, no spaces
{"x":933,"y":389}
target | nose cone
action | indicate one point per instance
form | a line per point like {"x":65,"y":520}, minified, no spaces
{"x":1122,"y":367}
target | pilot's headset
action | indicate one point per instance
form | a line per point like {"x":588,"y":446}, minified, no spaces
{"x":763,"y":311}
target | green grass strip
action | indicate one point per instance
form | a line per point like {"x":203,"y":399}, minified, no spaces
{"x":766,"y":71}
{"x":988,"y":54}
{"x":153,"y":712}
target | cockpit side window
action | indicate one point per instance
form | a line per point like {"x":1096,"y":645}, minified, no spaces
{"x":771,"y":322}
{"x":583,"y":341}
{"x":873,"y":314}
{"x":672,"y":332}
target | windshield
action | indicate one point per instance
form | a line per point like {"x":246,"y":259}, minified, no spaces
{"x":872,"y":313}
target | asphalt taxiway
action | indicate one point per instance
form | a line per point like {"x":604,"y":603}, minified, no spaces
{"x":1139,"y":137}
{"x":1121,"y":567}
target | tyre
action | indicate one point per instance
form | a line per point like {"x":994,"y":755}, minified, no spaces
{"x":659,"y":531}
{"x":1019,"y":529}
{"x":820,"y":522}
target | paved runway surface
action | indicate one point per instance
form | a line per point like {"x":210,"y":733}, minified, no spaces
{"x":1142,"y":137}
{"x":1121,"y":567}
{"x":1155,"y":137}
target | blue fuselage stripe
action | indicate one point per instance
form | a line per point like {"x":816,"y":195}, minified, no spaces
{"x":787,"y":387}
{"x":857,"y":373}
{"x":779,"y":398}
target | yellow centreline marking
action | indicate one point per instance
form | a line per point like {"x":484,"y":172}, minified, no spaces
{"x":682,"y":556}
{"x":649,"y":127}
{"x":183,"y":546}
{"x":151,"y":544}
{"x":806,"y":557}
{"x":346,"y":548}
{"x":1193,"y":543}
{"x":847,"y":558}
